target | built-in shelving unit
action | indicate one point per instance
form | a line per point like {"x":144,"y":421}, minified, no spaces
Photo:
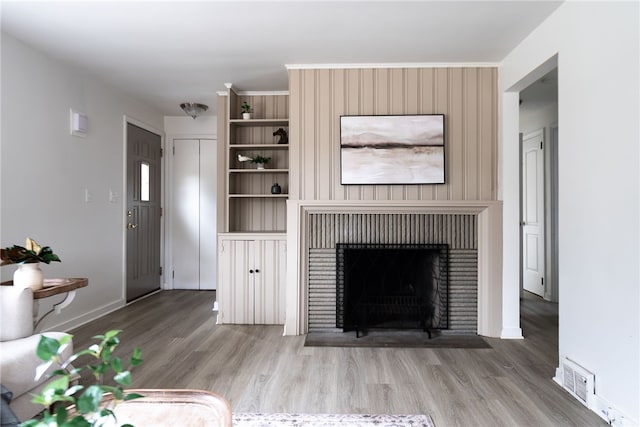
{"x":252,"y":244}
{"x":249,"y":204}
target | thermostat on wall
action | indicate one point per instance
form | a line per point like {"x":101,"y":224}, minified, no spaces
{"x":79,"y":123}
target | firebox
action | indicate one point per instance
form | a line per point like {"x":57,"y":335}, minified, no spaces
{"x":397,"y":286}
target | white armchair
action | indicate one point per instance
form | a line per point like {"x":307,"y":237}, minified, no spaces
{"x":18,"y":359}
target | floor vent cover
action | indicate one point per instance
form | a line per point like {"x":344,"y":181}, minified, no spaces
{"x":577,"y":381}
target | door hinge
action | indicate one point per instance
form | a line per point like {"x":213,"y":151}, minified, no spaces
{"x":541,"y":145}
{"x":173,"y":274}
{"x":161,"y":270}
{"x":160,"y":211}
{"x":174,"y":150}
{"x":162,"y":152}
{"x":542,"y":281}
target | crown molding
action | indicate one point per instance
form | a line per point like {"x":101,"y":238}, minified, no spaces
{"x":262,"y":92}
{"x":393,"y":65}
{"x":230,"y":87}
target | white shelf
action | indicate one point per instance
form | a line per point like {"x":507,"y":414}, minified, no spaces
{"x":259,"y":122}
{"x":258,"y":170}
{"x":259,"y":146}
{"x":258,"y":196}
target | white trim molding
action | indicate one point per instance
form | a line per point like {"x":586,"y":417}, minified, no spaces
{"x":230,"y":86}
{"x":393,"y":65}
{"x":489,"y":217}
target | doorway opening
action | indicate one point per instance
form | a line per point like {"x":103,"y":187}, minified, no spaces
{"x":538,"y":118}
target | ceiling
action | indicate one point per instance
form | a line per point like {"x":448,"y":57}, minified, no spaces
{"x":165,"y":53}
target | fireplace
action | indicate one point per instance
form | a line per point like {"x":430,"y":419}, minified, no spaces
{"x":471,"y":229}
{"x":398,"y":286}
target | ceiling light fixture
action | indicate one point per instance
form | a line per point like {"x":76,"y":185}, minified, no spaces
{"x":193,"y":109}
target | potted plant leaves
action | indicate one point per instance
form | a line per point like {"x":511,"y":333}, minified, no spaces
{"x":74,"y":405}
{"x":260,"y":161}
{"x":246,"y":110}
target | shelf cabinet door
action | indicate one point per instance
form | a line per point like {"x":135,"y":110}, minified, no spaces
{"x":252,"y":281}
{"x":235,"y":287}
{"x":269,"y":292}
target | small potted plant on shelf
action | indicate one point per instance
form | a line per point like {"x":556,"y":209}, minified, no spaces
{"x":260,"y":161}
{"x":246,"y":110}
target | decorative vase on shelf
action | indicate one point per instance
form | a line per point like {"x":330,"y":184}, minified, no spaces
{"x":246,"y":116}
{"x":276,"y":189}
{"x":260,"y":165}
{"x":29,"y":275}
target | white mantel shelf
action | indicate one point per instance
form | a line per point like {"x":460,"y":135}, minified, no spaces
{"x":489,"y":214}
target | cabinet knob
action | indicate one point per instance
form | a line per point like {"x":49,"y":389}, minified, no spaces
{"x":251,"y":271}
{"x":257,"y":271}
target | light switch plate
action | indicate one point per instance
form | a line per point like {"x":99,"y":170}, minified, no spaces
{"x":78,"y":123}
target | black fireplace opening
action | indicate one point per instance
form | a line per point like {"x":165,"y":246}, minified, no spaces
{"x":397,"y":286}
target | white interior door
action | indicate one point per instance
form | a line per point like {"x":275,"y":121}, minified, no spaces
{"x":193,"y":214}
{"x":533,"y":212}
{"x":208,"y":227}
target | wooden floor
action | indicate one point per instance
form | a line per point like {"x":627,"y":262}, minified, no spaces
{"x":259,"y":370}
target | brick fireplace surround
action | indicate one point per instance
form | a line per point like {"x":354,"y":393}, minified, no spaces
{"x":309,"y":225}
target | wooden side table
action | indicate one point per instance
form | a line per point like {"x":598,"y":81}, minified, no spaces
{"x":54,"y":287}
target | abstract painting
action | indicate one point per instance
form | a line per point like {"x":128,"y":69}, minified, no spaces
{"x":406,"y":149}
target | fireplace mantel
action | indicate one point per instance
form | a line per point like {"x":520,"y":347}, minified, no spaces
{"x":489,"y":226}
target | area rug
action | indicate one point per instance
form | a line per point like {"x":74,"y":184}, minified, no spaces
{"x":397,"y":339}
{"x":330,"y":420}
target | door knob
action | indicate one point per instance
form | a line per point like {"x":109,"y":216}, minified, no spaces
{"x":132,"y":226}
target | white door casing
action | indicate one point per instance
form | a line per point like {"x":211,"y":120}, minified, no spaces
{"x":532,"y":211}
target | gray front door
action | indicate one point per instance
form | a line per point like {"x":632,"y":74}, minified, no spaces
{"x":143,"y":211}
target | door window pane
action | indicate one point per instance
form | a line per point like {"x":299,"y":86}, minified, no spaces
{"x":144,"y":182}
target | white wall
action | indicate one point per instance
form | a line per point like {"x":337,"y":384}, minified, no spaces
{"x":599,"y":185}
{"x":544,"y":117}
{"x":45,"y":171}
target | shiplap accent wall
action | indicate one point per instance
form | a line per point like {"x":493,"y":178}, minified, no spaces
{"x":458,"y":231}
{"x":467,"y":96}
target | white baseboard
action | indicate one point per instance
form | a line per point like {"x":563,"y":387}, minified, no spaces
{"x":86,"y":317}
{"x":511,"y":334}
{"x":603,"y":408}
{"x":611,"y":414}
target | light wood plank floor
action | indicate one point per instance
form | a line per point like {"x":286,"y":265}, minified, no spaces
{"x":259,"y":370}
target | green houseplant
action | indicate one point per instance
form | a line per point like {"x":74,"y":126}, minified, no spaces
{"x":31,"y":252}
{"x":260,"y":161}
{"x":28,"y":258}
{"x":73,"y":405}
{"x":246,"y":110}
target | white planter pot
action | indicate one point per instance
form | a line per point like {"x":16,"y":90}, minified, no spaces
{"x":260,"y":165}
{"x":28,"y":275}
{"x":246,"y":116}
